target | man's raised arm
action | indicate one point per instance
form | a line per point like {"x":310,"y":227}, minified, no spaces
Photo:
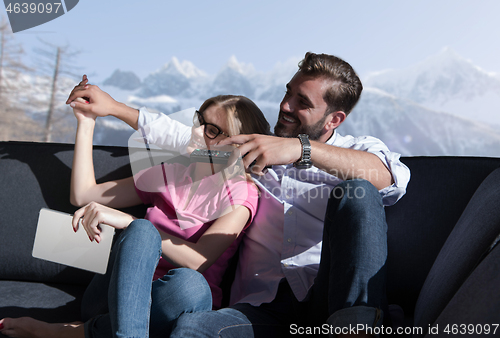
{"x":101,"y":103}
{"x":158,"y":129}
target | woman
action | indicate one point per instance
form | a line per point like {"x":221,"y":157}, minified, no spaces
{"x":194,"y":225}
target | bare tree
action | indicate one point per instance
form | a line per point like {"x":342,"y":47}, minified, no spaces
{"x":54,"y":61}
{"x":11,"y":65}
{"x":26,"y":95}
{"x":14,"y":123}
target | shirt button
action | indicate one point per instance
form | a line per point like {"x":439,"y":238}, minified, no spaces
{"x":289,"y":240}
{"x":285,"y":265}
{"x":290,"y":212}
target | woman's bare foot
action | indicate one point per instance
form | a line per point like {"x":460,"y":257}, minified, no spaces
{"x":26,"y":327}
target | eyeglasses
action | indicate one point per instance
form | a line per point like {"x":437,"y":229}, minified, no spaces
{"x":211,"y":130}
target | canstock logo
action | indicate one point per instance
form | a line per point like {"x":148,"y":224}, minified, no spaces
{"x":28,"y":14}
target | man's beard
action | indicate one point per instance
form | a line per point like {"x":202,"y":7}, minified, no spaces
{"x":314,"y":131}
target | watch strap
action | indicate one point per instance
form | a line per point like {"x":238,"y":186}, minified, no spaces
{"x":305,"y":161}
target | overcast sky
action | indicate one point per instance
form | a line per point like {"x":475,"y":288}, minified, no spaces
{"x":372,"y":35}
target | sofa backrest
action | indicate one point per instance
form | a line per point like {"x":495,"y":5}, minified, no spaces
{"x":419,"y":224}
{"x":35,"y":176}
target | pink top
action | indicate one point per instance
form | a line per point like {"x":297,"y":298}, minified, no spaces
{"x":166,"y":187}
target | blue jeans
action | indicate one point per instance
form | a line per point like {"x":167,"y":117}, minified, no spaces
{"x":348,"y":290}
{"x":126,"y":303}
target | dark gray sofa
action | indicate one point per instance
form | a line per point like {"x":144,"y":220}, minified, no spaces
{"x":442,"y":268}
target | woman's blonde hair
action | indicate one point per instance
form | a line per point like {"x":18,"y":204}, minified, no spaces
{"x":243,"y":115}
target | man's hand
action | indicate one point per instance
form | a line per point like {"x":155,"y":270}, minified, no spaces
{"x":266,"y":150}
{"x":94,"y":214}
{"x":72,"y":96}
{"x":100,"y":103}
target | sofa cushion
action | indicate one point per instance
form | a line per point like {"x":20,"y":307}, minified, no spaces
{"x":473,"y":235}
{"x":47,"y":302}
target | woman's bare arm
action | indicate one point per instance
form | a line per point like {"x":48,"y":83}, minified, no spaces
{"x":202,"y":254}
{"x":84,"y":189}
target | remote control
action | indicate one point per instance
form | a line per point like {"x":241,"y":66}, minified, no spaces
{"x":210,"y":156}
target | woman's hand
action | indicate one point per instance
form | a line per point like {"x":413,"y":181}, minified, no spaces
{"x":82,"y":116}
{"x":94,"y":214}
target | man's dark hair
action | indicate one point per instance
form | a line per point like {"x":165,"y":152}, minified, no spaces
{"x":346,"y":87}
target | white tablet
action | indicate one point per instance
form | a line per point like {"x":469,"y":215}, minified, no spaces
{"x":56,"y":241}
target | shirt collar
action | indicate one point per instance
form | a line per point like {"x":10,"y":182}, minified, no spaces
{"x":332,"y":138}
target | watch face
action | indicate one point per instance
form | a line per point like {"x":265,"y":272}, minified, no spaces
{"x":304,"y":138}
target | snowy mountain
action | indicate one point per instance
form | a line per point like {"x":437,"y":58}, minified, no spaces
{"x":445,"y":82}
{"x":123,"y":79}
{"x":271,"y":86}
{"x":444,"y":105}
{"x":234,"y":78}
{"x":173,"y":79}
{"x":422,"y":110}
{"x":414,"y":130}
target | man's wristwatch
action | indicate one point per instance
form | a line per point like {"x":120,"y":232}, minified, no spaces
{"x":305,"y":161}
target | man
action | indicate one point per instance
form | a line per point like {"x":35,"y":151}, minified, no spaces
{"x":299,"y":268}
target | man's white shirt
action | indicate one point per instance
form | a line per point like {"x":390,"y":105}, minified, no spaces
{"x":284,"y":240}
